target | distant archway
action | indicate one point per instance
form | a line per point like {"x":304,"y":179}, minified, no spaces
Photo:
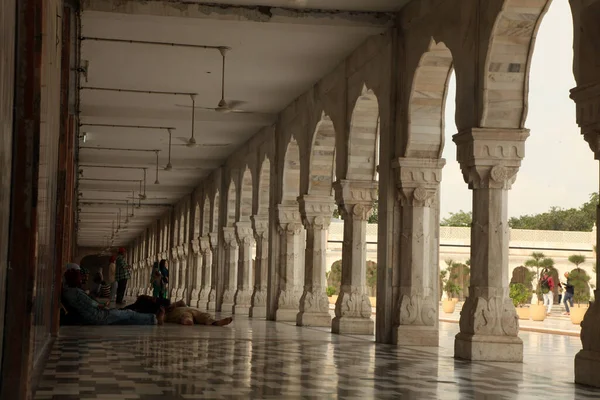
{"x":215,"y":213}
{"x":246,"y":196}
{"x":231,"y":204}
{"x":206,"y":217}
{"x":264,"y":188}
{"x":322,"y":158}
{"x":364,"y":128}
{"x":291,"y":174}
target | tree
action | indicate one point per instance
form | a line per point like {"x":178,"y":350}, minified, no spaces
{"x":560,"y":219}
{"x":460,"y":218}
{"x":372,"y":276}
{"x":334,"y":277}
{"x":576,"y":259}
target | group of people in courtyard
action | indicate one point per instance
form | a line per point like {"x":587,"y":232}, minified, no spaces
{"x":83,"y":308}
{"x":547,"y":286}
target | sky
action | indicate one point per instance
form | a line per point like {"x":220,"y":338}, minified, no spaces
{"x":559,"y":168}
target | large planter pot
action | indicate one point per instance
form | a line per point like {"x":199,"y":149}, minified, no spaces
{"x":448,"y":306}
{"x":373,"y":301}
{"x":577,"y":313}
{"x":455,"y":300}
{"x":333,"y":299}
{"x":523,"y":312}
{"x":537,"y":312}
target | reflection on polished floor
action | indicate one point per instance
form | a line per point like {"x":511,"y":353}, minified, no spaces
{"x":258,"y":359}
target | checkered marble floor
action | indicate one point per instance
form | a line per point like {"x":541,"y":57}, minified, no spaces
{"x":255,"y":359}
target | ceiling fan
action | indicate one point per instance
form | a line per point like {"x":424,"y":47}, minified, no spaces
{"x":191,"y":142}
{"x":224,"y":106}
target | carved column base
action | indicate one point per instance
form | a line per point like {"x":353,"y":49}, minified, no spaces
{"x":416,"y":335}
{"x":194,"y":297}
{"x":587,"y":361}
{"x":173,"y":295}
{"x":258,"y":312}
{"x":228,"y":301}
{"x":353,"y":326}
{"x":180,"y":294}
{"x":201,"y":299}
{"x":242,"y":302}
{"x":488,"y":348}
{"x":211,"y":305}
{"x":489,"y":329}
{"x":259,"y":303}
{"x":314,"y":308}
{"x":288,"y":305}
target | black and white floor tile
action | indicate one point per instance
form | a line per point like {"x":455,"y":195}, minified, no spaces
{"x":255,"y":359}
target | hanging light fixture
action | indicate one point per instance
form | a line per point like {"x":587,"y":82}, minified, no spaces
{"x":169,"y":167}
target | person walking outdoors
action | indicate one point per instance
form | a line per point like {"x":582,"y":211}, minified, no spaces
{"x":547,"y":286}
{"x":123,"y":274}
{"x":568,"y":296}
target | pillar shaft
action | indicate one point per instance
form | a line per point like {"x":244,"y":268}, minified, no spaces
{"x":231,"y":269}
{"x":212,"y":295}
{"x":204,"y":273}
{"x":314,"y":304}
{"x":291,"y":269}
{"x":418,"y":183}
{"x":182,"y":253}
{"x":259,"y":296}
{"x":196,"y":273}
{"x":353,"y":308}
{"x":243,"y":294}
{"x":489,"y":160}
{"x":587,"y":361}
{"x":174,"y":274}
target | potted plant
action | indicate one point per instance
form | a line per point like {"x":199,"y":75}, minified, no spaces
{"x":447,"y":304}
{"x":538,"y":262}
{"x":579,"y":279}
{"x":519,"y":295}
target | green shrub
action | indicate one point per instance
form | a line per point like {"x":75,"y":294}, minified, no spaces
{"x":331,"y":291}
{"x":519,"y":294}
{"x":579,"y":279}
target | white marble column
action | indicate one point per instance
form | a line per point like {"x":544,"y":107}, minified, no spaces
{"x":150,"y":264}
{"x":418,"y":181}
{"x":489,"y":326}
{"x":195,"y":273}
{"x":212,"y":295}
{"x":174,"y":273}
{"x":182,"y":252}
{"x":353,"y":308}
{"x":231,"y":269}
{"x":243,"y":294}
{"x":587,"y":361}
{"x":314,"y":304}
{"x":261,"y":270}
{"x":205,"y":273}
{"x":291,"y":268}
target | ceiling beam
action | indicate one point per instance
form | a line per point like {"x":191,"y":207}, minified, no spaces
{"x":264,"y":14}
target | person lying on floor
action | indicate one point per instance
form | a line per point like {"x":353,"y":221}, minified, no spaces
{"x":178,"y":312}
{"x":90,"y":312}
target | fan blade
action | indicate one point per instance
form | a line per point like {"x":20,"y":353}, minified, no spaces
{"x":242,"y":111}
{"x":197,"y":107}
{"x":204,"y":145}
{"x":235,"y":103}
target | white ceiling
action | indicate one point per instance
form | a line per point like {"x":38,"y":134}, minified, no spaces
{"x":269,"y":65}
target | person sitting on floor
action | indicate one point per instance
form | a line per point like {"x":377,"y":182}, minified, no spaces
{"x":90,"y":312}
{"x":178,"y":312}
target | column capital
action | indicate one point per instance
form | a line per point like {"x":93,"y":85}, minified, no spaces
{"x":261,"y":226}
{"x":418,"y":180}
{"x":244,"y":232}
{"x":355,"y":198}
{"x":204,"y":243}
{"x":490,"y":157}
{"x":195,"y":246}
{"x":214,"y":239}
{"x":289,"y":219}
{"x":229,"y":236}
{"x":316,"y":210}
{"x":587,"y":99}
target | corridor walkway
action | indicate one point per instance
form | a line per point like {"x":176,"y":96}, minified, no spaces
{"x":258,"y":359}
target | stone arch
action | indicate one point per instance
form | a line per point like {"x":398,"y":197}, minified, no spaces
{"x":264,"y":187}
{"x":246,"y":196}
{"x":322,"y":157}
{"x":215,"y":213}
{"x":206,"y":217}
{"x":184,"y":227}
{"x":427,"y":101}
{"x":508,"y":61}
{"x":362,"y":141}
{"x":231,"y":204}
{"x":291,"y":174}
